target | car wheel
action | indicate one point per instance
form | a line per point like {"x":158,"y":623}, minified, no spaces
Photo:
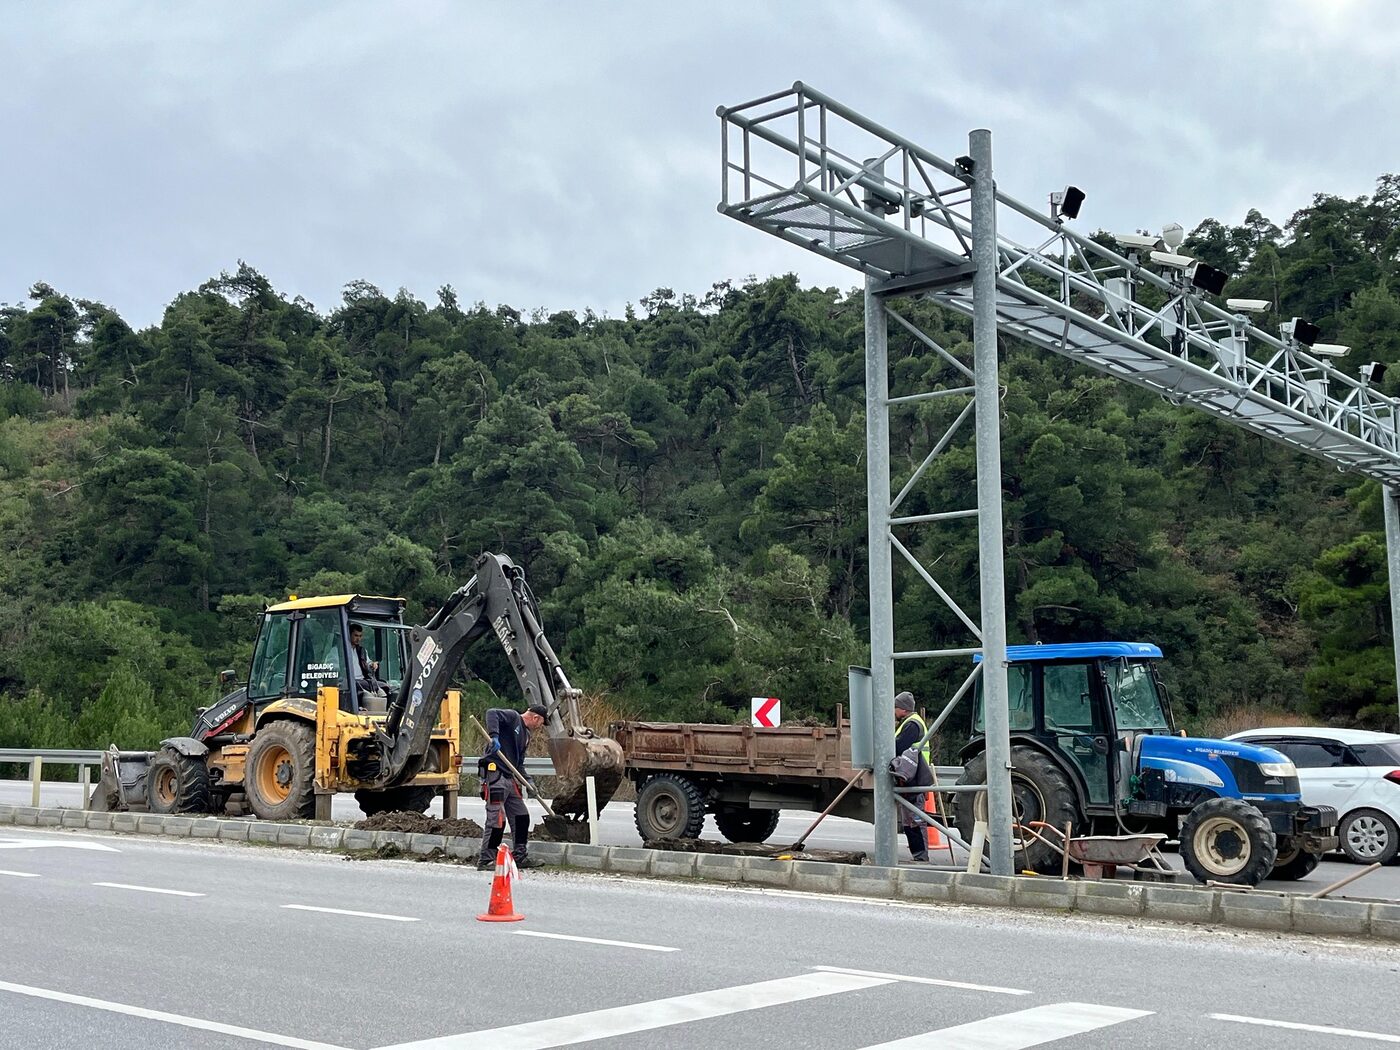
{"x":1369,"y":837}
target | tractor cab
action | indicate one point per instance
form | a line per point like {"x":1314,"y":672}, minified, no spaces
{"x":304,"y":644}
{"x":1088,"y":705}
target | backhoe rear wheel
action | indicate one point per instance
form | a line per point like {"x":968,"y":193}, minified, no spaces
{"x":177,"y":783}
{"x":742,"y":824}
{"x":670,"y":807}
{"x":280,"y":772}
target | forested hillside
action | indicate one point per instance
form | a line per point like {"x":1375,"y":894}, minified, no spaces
{"x":685,"y":486}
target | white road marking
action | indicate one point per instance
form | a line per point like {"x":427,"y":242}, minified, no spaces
{"x":643,"y":1017}
{"x":1354,"y":1033}
{"x":925,"y":980}
{"x":20,"y":874}
{"x":55,"y":844}
{"x":597,"y":940}
{"x":1018,"y":1031}
{"x":148,"y":889}
{"x":160,"y":1015}
{"x":357,"y":914}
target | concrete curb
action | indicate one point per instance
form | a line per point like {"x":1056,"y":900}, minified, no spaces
{"x":1290,"y":913}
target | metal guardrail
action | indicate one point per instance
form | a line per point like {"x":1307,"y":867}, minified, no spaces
{"x":37,"y":757}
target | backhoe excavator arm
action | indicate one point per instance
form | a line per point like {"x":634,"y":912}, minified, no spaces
{"x":497,"y":600}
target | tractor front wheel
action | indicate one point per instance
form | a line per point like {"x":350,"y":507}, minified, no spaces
{"x":1227,"y":840}
{"x":279,"y":777}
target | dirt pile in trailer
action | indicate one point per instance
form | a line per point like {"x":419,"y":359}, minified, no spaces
{"x":757,"y":849}
{"x":421,"y":824}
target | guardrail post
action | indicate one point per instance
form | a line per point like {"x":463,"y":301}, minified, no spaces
{"x":85,"y":783}
{"x":36,"y":771}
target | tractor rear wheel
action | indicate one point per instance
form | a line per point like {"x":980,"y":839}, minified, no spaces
{"x":1227,"y":840}
{"x":742,"y":824}
{"x":1040,"y":791}
{"x":177,"y":783}
{"x":670,"y":807}
{"x":1293,"y":862}
{"x":279,"y":777}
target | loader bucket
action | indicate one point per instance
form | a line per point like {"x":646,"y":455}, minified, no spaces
{"x":122,"y":785}
{"x":576,"y":758}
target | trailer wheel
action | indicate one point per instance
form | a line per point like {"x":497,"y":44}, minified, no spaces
{"x":280,"y":772}
{"x":395,"y":800}
{"x":743,"y":824}
{"x":1293,"y":862}
{"x":670,"y":807}
{"x":177,"y":783}
{"x":1227,"y":840}
{"x":1039,"y":791}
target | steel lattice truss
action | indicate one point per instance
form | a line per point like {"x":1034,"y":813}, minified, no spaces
{"x":805,"y":168}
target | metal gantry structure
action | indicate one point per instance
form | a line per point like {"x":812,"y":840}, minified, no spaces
{"x":802,"y":166}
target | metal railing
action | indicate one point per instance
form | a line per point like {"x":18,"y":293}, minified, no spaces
{"x":37,"y":758}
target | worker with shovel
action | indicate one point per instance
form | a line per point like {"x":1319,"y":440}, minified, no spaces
{"x":911,"y":769}
{"x":505,"y":796}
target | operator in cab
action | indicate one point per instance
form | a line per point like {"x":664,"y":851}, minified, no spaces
{"x":504,"y":795}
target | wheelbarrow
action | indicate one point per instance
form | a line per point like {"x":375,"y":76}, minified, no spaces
{"x":1102,"y":855}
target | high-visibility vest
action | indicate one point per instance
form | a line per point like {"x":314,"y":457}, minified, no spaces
{"x":926,"y":750}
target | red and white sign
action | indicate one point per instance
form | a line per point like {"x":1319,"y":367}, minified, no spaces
{"x":767,"y":711}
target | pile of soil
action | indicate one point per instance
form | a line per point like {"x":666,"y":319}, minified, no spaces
{"x":421,"y":824}
{"x":557,"y":829}
{"x":756,"y":849}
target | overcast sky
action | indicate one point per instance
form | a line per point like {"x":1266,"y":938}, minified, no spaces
{"x":566,"y":155}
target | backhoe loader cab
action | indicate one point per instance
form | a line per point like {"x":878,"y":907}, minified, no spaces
{"x":1093,"y":745}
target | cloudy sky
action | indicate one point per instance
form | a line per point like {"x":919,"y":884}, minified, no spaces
{"x":566,"y":155}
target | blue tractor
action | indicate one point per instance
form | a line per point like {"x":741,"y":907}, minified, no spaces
{"x":1093,"y":745}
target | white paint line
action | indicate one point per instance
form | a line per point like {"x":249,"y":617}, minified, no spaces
{"x":160,"y":1015}
{"x":356,"y":914}
{"x":20,"y":874}
{"x":95,"y":847}
{"x":595,"y":940}
{"x":643,"y":1017}
{"x":1019,"y":1031}
{"x":926,"y":980}
{"x":1354,"y":1033}
{"x":147,"y":889}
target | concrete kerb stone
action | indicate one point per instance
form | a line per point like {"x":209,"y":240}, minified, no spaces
{"x":357,"y":838}
{"x":294,"y":835}
{"x":927,"y":884}
{"x":975,"y":888}
{"x":234,"y":830}
{"x":719,"y":867}
{"x":1057,"y":894}
{"x":7,"y":814}
{"x":1256,"y":911}
{"x":1385,"y":921}
{"x":397,"y":839}
{"x":759,"y":871}
{"x":870,"y":880}
{"x":589,"y":858}
{"x":73,"y":818}
{"x":151,"y":823}
{"x":49,"y":818}
{"x":423,"y":843}
{"x":469,"y":849}
{"x":626,"y":860}
{"x":549,"y":852}
{"x":204,"y":828}
{"x":1182,"y":903}
{"x":815,"y":876}
{"x":29,"y":816}
{"x":1109,"y":897}
{"x":177,"y":826}
{"x":126,"y":822}
{"x":97,"y":821}
{"x":1331,"y":917}
{"x":263,"y":831}
{"x":326,"y":837}
{"x":673,"y":865}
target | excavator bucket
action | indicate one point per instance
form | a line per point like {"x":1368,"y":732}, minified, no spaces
{"x":122,"y":785}
{"x":576,"y":758}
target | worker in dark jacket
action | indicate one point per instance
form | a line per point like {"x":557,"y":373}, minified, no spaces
{"x":504,"y":795}
{"x":910,"y":726}
{"x":911,"y":769}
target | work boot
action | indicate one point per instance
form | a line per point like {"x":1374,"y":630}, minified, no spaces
{"x":918,"y":843}
{"x":489,"y":845}
{"x":520,"y":837}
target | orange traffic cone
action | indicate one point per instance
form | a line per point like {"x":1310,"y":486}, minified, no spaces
{"x":502,"y":908}
{"x":935,"y":834}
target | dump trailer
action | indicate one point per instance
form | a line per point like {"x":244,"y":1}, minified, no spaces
{"x":743,"y":775}
{"x":307,"y":724}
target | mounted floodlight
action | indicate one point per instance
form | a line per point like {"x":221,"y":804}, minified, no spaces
{"x":1135,"y":241}
{"x":1207,"y":278}
{"x":1373,"y":372}
{"x":1181,"y":262}
{"x":1299,"y":330}
{"x":1248,"y":306}
{"x":1173,"y":235}
{"x":1330,"y":349}
{"x":1066,"y":202}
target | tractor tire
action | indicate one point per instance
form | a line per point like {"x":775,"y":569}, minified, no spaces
{"x":177,"y":783}
{"x":280,"y":773}
{"x":742,"y":824}
{"x":1039,"y":791}
{"x":1227,"y":840}
{"x":670,"y":807}
{"x":395,"y":800}
{"x":1369,"y":837}
{"x":1293,"y":862}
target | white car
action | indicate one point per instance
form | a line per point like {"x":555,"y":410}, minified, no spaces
{"x":1354,"y":771}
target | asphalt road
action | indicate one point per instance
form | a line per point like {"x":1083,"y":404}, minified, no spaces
{"x":616,"y":828}
{"x":117,"y":942}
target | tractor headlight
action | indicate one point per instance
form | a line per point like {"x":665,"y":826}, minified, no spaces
{"x":1278,"y":769}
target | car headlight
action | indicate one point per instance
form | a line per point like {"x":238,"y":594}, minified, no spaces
{"x":1278,"y":769}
